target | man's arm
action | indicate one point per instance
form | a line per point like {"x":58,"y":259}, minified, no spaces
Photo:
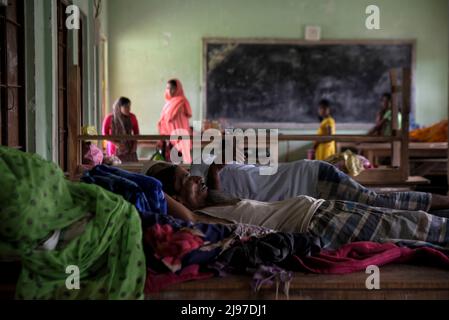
{"x":178,"y":210}
{"x":210,"y":220}
{"x":213,"y":178}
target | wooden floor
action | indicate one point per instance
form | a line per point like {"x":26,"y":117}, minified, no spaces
{"x":396,"y":282}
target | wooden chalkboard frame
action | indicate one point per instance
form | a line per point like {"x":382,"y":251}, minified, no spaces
{"x":282,"y":41}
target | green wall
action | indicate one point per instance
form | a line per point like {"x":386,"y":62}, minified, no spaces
{"x":41,"y":42}
{"x":40,"y":58}
{"x":151,"y":41}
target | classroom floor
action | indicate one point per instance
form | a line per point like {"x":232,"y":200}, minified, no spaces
{"x":396,"y":282}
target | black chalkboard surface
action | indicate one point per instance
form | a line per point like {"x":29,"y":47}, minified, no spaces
{"x":283,"y":82}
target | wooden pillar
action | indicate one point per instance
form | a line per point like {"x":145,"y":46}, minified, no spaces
{"x":406,"y":102}
{"x":396,"y":145}
{"x":74,"y":120}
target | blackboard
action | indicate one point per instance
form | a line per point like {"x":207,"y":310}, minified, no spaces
{"x":281,"y":83}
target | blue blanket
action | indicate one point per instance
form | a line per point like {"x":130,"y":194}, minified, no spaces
{"x":147,"y":196}
{"x":142,"y":191}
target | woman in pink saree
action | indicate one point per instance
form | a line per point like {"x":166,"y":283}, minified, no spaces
{"x":175,"y":118}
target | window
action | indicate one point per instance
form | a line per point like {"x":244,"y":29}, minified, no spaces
{"x":12,"y":75}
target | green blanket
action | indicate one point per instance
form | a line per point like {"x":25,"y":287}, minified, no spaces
{"x":35,"y":201}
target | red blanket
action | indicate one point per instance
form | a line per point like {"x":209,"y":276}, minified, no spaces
{"x":358,"y":256}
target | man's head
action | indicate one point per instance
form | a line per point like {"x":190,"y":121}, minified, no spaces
{"x":171,"y":176}
{"x":177,"y":183}
{"x":193,"y":193}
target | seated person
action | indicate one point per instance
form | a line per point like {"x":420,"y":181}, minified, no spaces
{"x":316,"y":179}
{"x":335,"y":222}
{"x":383,"y":125}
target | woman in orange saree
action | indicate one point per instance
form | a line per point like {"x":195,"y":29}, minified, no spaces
{"x":175,"y":117}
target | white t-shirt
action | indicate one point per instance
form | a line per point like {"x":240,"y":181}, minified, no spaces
{"x":245,"y":181}
{"x":291,"y":215}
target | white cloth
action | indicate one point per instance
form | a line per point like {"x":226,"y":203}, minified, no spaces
{"x":291,"y":215}
{"x":245,"y":181}
{"x":51,"y":243}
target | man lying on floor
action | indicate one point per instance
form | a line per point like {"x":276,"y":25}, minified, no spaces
{"x":317,"y":179}
{"x":336,"y":222}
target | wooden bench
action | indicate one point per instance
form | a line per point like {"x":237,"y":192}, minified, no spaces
{"x":396,"y":282}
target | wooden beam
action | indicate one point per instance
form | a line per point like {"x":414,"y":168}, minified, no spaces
{"x":74,"y":123}
{"x":396,"y":145}
{"x":396,"y":89}
{"x":281,"y":137}
{"x":337,"y":138}
{"x":406,"y":101}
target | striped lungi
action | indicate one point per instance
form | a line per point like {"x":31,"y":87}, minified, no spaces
{"x":333,"y":184}
{"x":341,"y":222}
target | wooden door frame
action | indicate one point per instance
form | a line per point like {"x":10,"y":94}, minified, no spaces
{"x":21,"y":81}
{"x":61,"y":121}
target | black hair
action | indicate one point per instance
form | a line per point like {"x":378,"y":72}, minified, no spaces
{"x":173,"y":83}
{"x":167,"y":178}
{"x":124,"y":102}
{"x":324,"y":103}
{"x":387,"y":95}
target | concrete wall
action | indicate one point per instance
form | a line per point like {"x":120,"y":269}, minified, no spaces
{"x":152,"y":40}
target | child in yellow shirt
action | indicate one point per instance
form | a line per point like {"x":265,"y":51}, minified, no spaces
{"x":324,"y":150}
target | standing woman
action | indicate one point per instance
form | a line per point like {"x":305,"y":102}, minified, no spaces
{"x":175,"y":115}
{"x":121,"y":123}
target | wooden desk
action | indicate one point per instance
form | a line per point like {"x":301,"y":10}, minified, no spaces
{"x":416,"y":150}
{"x":425,"y":158}
{"x":379,"y":178}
